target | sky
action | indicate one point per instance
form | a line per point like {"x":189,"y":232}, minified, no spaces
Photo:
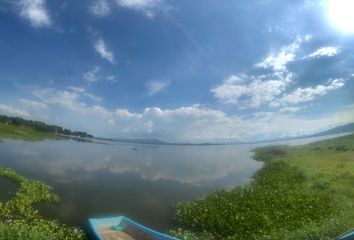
{"x":180,"y":71}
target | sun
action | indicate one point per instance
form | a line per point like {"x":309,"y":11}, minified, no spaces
{"x":341,"y":14}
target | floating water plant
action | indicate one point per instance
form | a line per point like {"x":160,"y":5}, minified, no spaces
{"x":20,"y":220}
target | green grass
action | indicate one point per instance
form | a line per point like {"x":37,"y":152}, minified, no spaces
{"x":8,"y":131}
{"x":20,"y":220}
{"x":303,"y":192}
{"x":328,"y":163}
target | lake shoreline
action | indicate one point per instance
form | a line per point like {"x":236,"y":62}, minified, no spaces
{"x":323,"y":200}
{"x":264,"y":157}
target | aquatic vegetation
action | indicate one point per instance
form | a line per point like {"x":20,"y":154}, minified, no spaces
{"x":300,"y":193}
{"x":277,"y":198}
{"x":20,"y":220}
{"x":188,"y":235}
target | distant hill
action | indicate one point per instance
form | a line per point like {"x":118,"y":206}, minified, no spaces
{"x":340,"y":129}
{"x":347,"y":128}
{"x":143,"y":141}
{"x":337,"y":130}
{"x":153,"y":141}
{"x":132,"y":140}
{"x":43,"y":127}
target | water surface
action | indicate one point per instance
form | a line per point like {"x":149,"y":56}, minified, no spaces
{"x":136,"y":180}
{"x":7,"y":189}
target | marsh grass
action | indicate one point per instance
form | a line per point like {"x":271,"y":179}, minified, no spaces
{"x":303,"y":192}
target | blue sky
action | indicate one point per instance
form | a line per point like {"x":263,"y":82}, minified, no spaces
{"x":182,"y":70}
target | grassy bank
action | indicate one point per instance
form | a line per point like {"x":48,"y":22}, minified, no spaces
{"x":303,"y":192}
{"x":8,"y":131}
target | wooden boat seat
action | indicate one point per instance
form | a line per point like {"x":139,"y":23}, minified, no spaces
{"x":109,"y":234}
{"x":129,"y":232}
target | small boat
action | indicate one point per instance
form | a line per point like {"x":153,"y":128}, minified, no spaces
{"x":347,"y":236}
{"x":122,"y":228}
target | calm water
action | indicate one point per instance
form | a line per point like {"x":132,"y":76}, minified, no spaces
{"x":139,"y":181}
{"x":8,"y":189}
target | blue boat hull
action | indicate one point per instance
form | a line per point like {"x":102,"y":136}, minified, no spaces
{"x":123,"y":228}
{"x":347,"y":236}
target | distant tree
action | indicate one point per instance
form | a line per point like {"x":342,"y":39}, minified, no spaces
{"x":41,"y":126}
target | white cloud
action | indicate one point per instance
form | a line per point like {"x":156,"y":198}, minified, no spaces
{"x":190,"y":124}
{"x":33,"y":104}
{"x":301,"y":95}
{"x":92,"y":75}
{"x":77,"y":89}
{"x":111,"y":78}
{"x":323,"y":52}
{"x":100,"y":8}
{"x":278,"y":60}
{"x":184,"y":124}
{"x":72,"y":100}
{"x":125,"y":114}
{"x":92,"y":97}
{"x":35,"y":12}
{"x":252,"y":91}
{"x":84,"y":93}
{"x":104,"y":52}
{"x":148,"y":7}
{"x":7,"y":110}
{"x":155,"y":87}
{"x":180,"y":123}
{"x":74,"y":109}
{"x":289,"y":109}
{"x":262,"y":115}
{"x":68,"y":99}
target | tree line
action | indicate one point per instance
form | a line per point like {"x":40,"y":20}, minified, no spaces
{"x":41,"y":126}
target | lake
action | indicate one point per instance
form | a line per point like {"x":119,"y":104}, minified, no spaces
{"x":140,"y":181}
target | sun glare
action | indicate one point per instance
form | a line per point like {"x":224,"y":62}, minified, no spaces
{"x":341,"y":15}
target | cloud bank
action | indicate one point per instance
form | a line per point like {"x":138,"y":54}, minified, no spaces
{"x":193,"y":123}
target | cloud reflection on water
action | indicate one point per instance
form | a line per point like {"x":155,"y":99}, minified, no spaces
{"x":184,"y":164}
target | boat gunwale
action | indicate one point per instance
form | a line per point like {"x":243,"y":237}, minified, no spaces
{"x":95,"y":223}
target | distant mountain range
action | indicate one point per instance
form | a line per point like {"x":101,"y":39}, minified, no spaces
{"x":347,"y":128}
{"x":142,"y":140}
{"x":337,"y":130}
{"x":341,"y":129}
{"x":40,"y":126}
